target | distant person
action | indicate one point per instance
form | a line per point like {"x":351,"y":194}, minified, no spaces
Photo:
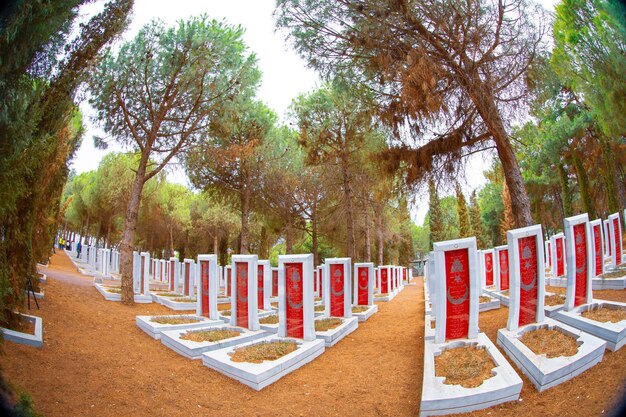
{"x":61,"y":243}
{"x":79,"y":247}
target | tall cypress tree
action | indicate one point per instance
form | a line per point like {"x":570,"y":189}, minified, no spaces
{"x":465,"y":229}
{"x":435,"y":220}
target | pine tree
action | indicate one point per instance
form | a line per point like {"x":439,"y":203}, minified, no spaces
{"x":507,"y":222}
{"x":434,"y":216}
{"x":476,"y":221}
{"x":465,"y":229}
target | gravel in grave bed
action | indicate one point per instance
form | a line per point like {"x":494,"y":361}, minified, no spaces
{"x":384,"y":294}
{"x":484,"y":299}
{"x":265,"y":351}
{"x":225,"y":313}
{"x":466,"y":366}
{"x":175,"y":320}
{"x":324,"y":325}
{"x":550,"y":342}
{"x":613,"y":274}
{"x":184,"y":300}
{"x":271,"y":319}
{"x":210,"y":335}
{"x":360,"y":309}
{"x":320,"y":308}
{"x":605,"y":314}
{"x":114,"y":290}
{"x":554,"y":300}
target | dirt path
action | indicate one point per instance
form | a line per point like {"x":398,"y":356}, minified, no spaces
{"x":96,"y":362}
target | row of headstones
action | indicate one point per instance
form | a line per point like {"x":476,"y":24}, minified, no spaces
{"x":183,"y":276}
{"x":454,"y":280}
{"x":581,"y":243}
{"x":340,"y":286}
{"x":607,"y":243}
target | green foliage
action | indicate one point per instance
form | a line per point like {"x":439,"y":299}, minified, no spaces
{"x":465,"y":227}
{"x":476,"y":222}
{"x":435,"y":215}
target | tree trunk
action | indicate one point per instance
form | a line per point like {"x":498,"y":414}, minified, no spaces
{"x":289,"y":236}
{"x":378,"y":212}
{"x":566,"y":195}
{"x":216,"y":246}
{"x":583,"y":185}
{"x":608,"y":176}
{"x":316,"y":255}
{"x":347,"y":189}
{"x":245,"y":217}
{"x":484,"y":101}
{"x":368,"y":242}
{"x":128,"y":236}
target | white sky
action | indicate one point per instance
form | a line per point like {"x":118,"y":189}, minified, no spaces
{"x":285,"y":75}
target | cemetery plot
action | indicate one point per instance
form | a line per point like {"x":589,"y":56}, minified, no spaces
{"x":455,"y":302}
{"x":156,"y":325}
{"x":111,"y":293}
{"x":486,"y":303}
{"x":385,"y":288}
{"x":261,"y":362}
{"x":363,"y":286}
{"x":579,"y":303}
{"x":31,"y":334}
{"x":337,"y":321}
{"x":176,"y":302}
{"x":535,"y":343}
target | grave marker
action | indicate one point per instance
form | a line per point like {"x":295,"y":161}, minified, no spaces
{"x":206,"y":305}
{"x":264,"y":284}
{"x":244,"y":292}
{"x":363,"y":283}
{"x":579,"y":252}
{"x":615,"y":239}
{"x":598,"y":255}
{"x":295,"y":297}
{"x":501,"y":253}
{"x":338,"y":289}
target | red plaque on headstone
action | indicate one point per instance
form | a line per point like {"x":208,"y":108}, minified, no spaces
{"x":580,"y":249}
{"x":187,"y":278}
{"x":504,"y":269}
{"x":404,"y":274}
{"x":229,"y":283}
{"x":172,"y":272}
{"x":457,"y":293}
{"x":337,"y":287}
{"x":321,"y":272}
{"x":315,"y":281}
{"x":363,"y":282}
{"x":242,"y":293}
{"x":259,"y":286}
{"x":618,"y":242}
{"x":384,"y":281}
{"x":294,"y":291}
{"x":204,"y":279}
{"x":489,"y":268}
{"x":597,"y":243}
{"x":275,"y":282}
{"x":529,"y":274}
{"x":549,"y":254}
{"x":560,"y":265}
{"x":607,"y":233}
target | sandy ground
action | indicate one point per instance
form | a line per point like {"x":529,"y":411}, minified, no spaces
{"x":96,"y":362}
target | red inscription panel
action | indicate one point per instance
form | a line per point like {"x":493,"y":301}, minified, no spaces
{"x":294,"y":291}
{"x":204,"y":279}
{"x":363,"y":282}
{"x":560,"y":265}
{"x":504,"y":269}
{"x":242,"y":293}
{"x":259,"y":286}
{"x":187,"y":268}
{"x":321,"y":272}
{"x":337,"y":287}
{"x":618,"y":242}
{"x":404,"y":274}
{"x":529,"y":273}
{"x":384,"y":281}
{"x":489,"y":268}
{"x":172,"y":271}
{"x":229,"y":283}
{"x":580,"y":248}
{"x":457,"y":293}
{"x":315,"y":284}
{"x":597,"y":247}
{"x":549,"y":254}
{"x":275,"y":282}
{"x":607,"y":232}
